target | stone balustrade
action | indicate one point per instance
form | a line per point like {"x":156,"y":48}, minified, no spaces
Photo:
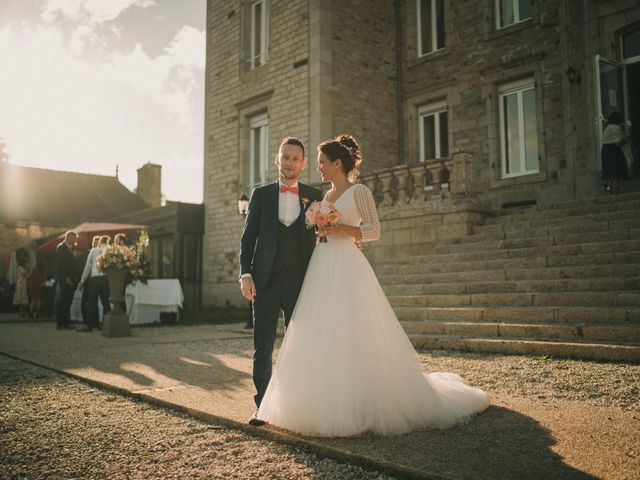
{"x":408,"y":184}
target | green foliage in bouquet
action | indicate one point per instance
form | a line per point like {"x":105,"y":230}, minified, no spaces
{"x":141,"y":265}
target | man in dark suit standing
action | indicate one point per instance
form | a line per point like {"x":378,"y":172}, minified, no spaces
{"x":275,"y":251}
{"x":65,"y":279}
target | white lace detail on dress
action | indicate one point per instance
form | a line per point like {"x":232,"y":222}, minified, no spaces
{"x":370,"y":226}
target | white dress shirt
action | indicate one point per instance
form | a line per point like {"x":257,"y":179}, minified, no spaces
{"x":90,"y":268}
{"x":288,"y":206}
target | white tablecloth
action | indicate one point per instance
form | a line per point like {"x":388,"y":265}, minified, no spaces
{"x":145,"y":302}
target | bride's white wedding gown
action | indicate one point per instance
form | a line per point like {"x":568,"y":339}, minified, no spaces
{"x":346,"y":366}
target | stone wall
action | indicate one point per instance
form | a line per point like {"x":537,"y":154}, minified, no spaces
{"x":365,"y":82}
{"x":15,"y":235}
{"x":467,"y":73}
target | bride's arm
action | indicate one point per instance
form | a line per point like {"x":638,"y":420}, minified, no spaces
{"x":369,"y":229}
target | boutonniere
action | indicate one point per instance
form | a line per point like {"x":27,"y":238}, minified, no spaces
{"x":305,"y":201}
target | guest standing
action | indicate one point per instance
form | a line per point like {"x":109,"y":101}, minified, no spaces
{"x":98,"y":286}
{"x":65,"y":279}
{"x":36,"y":283}
{"x":84,"y":303}
{"x":21,"y":296}
{"x":614,"y":163}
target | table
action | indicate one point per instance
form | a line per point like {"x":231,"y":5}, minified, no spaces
{"x":146,"y":301}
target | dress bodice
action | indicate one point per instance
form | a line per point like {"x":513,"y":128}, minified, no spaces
{"x":357,"y":208}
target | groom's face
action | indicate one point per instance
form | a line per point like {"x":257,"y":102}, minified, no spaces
{"x":290,"y":162}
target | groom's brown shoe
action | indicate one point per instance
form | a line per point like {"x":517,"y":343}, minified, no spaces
{"x":255,"y":421}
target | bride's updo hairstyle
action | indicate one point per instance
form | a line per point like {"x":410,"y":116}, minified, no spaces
{"x":346,"y":149}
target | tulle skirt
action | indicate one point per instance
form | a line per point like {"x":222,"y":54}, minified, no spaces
{"x":347,"y":367}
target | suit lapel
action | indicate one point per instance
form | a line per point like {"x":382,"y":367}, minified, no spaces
{"x":274,"y":200}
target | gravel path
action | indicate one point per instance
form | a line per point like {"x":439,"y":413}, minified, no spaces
{"x":57,"y":428}
{"x":544,"y":379}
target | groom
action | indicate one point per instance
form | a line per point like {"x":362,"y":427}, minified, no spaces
{"x":275,"y":250}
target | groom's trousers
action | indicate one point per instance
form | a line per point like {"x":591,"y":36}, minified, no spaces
{"x":280,"y":294}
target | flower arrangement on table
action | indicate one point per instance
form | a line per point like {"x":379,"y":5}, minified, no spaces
{"x":141,"y":265}
{"x":320,"y":215}
{"x":114,"y":257}
{"x":134,"y":259}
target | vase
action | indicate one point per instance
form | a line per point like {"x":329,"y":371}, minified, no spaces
{"x":116,"y":322}
{"x":116,"y":278}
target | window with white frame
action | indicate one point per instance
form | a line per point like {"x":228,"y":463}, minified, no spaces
{"x":518,"y":129}
{"x":434,"y":131}
{"x":510,"y":12}
{"x":258,"y":150}
{"x":430,"y":26}
{"x":259,"y":32}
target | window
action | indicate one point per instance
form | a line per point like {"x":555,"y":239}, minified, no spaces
{"x":259,"y":33}
{"x":430,"y":26}
{"x":510,"y":12}
{"x":518,"y":129}
{"x":258,"y":150}
{"x":434,"y":131}
{"x":161,"y":256}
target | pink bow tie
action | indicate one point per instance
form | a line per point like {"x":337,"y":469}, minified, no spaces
{"x":287,"y":188}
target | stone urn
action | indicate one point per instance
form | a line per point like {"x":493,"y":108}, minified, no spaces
{"x":116,"y":322}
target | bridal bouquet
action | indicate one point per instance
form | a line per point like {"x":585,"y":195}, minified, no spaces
{"x":320,"y":215}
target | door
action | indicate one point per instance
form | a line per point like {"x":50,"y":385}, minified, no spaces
{"x":610,"y":94}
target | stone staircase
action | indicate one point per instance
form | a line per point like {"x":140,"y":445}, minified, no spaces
{"x":561,"y":280}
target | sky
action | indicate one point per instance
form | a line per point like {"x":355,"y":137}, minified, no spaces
{"x":88,"y":85}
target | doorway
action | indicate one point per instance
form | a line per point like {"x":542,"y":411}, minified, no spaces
{"x":630,"y":43}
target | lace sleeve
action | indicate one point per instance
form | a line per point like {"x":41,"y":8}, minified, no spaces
{"x":370,"y":226}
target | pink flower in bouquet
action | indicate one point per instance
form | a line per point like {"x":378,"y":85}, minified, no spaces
{"x":322,"y":219}
{"x":333,"y":217}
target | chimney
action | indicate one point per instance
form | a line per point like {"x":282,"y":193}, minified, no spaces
{"x":149,"y":179}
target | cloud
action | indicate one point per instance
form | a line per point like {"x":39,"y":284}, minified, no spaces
{"x":170,"y":79}
{"x":67,"y":110}
{"x":89,"y":11}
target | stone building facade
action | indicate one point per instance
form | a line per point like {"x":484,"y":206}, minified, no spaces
{"x":472,"y":106}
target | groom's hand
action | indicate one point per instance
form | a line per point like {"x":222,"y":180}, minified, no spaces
{"x":248,"y":288}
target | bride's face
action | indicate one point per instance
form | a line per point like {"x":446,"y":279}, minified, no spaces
{"x":328,"y":169}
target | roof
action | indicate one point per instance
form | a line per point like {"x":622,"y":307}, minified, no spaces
{"x":56,"y":197}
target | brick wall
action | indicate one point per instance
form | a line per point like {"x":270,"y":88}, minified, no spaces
{"x":365,"y":78}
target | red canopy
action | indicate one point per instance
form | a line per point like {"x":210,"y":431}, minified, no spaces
{"x":87,"y":230}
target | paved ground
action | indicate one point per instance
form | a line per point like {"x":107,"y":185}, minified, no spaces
{"x":548,"y":419}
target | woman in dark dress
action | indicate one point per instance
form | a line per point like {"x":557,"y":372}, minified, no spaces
{"x":614,"y":163}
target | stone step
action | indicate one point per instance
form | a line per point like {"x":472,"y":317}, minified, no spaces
{"x":477,"y":244}
{"x":548,"y":250}
{"x":625,"y":257}
{"x":620,"y":219}
{"x":540,"y":299}
{"x":578,"y":208}
{"x":405,"y":285}
{"x":614,"y":352}
{"x":520,"y":314}
{"x":559,"y":234}
{"x":390,"y":275}
{"x":536,"y":331}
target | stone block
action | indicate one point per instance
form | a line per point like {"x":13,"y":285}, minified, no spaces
{"x":116,"y":324}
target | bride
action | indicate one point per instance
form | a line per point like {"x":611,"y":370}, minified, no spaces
{"x":346,"y":366}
